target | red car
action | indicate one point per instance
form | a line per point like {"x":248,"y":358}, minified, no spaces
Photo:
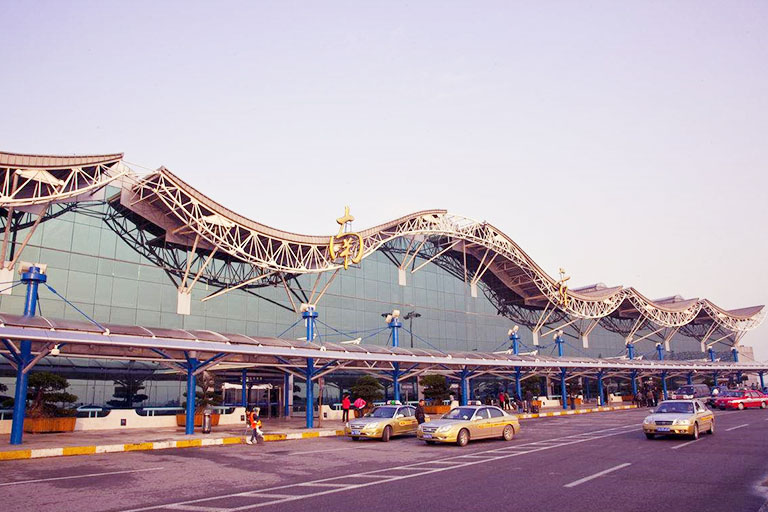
{"x":741,"y":399}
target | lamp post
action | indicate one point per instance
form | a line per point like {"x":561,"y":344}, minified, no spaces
{"x":410,"y":316}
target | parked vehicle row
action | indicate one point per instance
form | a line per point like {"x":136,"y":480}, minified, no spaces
{"x":460,"y":425}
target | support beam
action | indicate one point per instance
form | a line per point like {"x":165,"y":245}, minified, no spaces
{"x":310,"y":315}
{"x":32,"y":278}
{"x":664,"y":384}
{"x":563,"y":393}
{"x":244,"y":386}
{"x":287,"y":394}
{"x":464,"y":375}
{"x":192,"y":364}
{"x":600,"y":394}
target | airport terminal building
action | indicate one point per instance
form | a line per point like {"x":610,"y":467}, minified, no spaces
{"x":123,"y":249}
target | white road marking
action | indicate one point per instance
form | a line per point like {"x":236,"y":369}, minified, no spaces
{"x":737,"y":426}
{"x":380,"y":479}
{"x":597,"y":475}
{"x":78,"y":476}
{"x":322,"y":451}
{"x":686,"y":444}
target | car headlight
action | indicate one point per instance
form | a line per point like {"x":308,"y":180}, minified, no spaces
{"x":647,"y":421}
{"x":682,"y":422}
{"x":371,"y":426}
{"x":445,"y":428}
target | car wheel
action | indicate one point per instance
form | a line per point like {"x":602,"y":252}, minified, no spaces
{"x":354,"y":438}
{"x":649,"y":436}
{"x":712,"y":427}
{"x":463,"y":438}
{"x":429,"y":442}
{"x":509,"y":433}
{"x":762,"y":405}
{"x":695,"y":431}
{"x":741,"y":406}
{"x":386,"y":434}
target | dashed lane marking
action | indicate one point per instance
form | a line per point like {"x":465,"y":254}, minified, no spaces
{"x":495,"y":454}
{"x":78,"y":476}
{"x":737,"y":426}
{"x":597,"y":475}
{"x":685,"y":444}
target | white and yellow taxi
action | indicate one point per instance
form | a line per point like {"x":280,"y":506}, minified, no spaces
{"x":384,"y":422}
{"x":679,"y":417}
{"x":461,"y":424}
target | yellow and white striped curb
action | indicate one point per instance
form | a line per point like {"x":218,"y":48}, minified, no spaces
{"x":575,"y":411}
{"x":157,"y":445}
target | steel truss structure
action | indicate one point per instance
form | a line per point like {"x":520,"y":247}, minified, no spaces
{"x":194,"y":239}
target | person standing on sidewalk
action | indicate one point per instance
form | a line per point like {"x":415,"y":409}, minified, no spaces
{"x":255,"y":424}
{"x":345,"y":405}
{"x":420,"y":416}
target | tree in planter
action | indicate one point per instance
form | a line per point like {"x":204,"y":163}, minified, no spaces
{"x":206,"y":396}
{"x":368,"y":388}
{"x":436,"y":388}
{"x":46,"y":391}
{"x":128,"y":389}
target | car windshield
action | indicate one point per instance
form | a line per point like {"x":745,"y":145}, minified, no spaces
{"x":675,"y":407}
{"x":732,"y":393}
{"x":382,"y":412}
{"x":459,"y":413}
{"x":685,"y":390}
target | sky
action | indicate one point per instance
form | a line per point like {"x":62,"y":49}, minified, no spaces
{"x":622,"y":141}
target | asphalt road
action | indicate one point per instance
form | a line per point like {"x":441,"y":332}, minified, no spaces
{"x":579,"y":463}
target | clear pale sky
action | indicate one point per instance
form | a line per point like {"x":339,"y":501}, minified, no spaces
{"x":624,"y":141}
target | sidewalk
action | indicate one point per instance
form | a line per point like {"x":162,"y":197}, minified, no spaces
{"x":114,"y":441}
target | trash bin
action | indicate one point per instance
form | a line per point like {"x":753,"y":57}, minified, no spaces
{"x":573,"y":403}
{"x":207,"y":421}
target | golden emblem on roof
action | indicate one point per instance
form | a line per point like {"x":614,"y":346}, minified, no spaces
{"x":342,"y":244}
{"x":562,"y":290}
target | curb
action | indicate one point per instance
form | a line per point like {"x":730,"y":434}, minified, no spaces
{"x":195,"y":443}
{"x":158,"y":445}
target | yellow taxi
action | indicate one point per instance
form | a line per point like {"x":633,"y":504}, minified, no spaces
{"x":384,"y":422}
{"x":679,"y":417}
{"x":461,"y":424}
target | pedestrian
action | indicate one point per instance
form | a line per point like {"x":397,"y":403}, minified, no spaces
{"x":649,"y":398}
{"x":254,"y":422}
{"x":420,"y":416}
{"x":528,"y":401}
{"x":501,"y":400}
{"x":345,"y":404}
{"x":359,"y":406}
{"x":507,"y":403}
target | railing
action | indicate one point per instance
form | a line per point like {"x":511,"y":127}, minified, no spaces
{"x":159,"y":411}
{"x":92,"y":412}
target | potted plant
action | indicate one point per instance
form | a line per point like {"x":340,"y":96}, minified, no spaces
{"x":369,"y":389}
{"x":46,"y":395}
{"x":204,"y":398}
{"x":436,"y":390}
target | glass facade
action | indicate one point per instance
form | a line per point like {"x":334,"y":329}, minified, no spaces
{"x":101,"y":274}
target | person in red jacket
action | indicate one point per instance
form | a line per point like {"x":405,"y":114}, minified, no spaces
{"x":254,"y":422}
{"x":345,"y":405}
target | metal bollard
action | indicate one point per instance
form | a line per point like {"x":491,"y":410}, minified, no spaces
{"x":207,"y":421}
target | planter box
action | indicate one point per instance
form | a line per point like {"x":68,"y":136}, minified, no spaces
{"x":43,"y":425}
{"x":181,"y":420}
{"x":436,"y":409}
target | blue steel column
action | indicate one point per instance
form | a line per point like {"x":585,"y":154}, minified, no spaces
{"x":287,"y":395}
{"x":762,"y":383}
{"x":711,"y":354}
{"x":714,"y":378}
{"x":32,"y":278}
{"x":309,"y":318}
{"x":664,"y":384}
{"x":660,"y":351}
{"x":600,"y":398}
{"x":562,"y":388}
{"x":395,"y":325}
{"x":585,"y":382}
{"x":690,"y":378}
{"x":189,"y":426}
{"x":559,"y":342}
{"x":735,"y":353}
{"x":464,"y":386}
{"x":244,"y":385}
{"x":633,"y":373}
{"x":516,"y":350}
